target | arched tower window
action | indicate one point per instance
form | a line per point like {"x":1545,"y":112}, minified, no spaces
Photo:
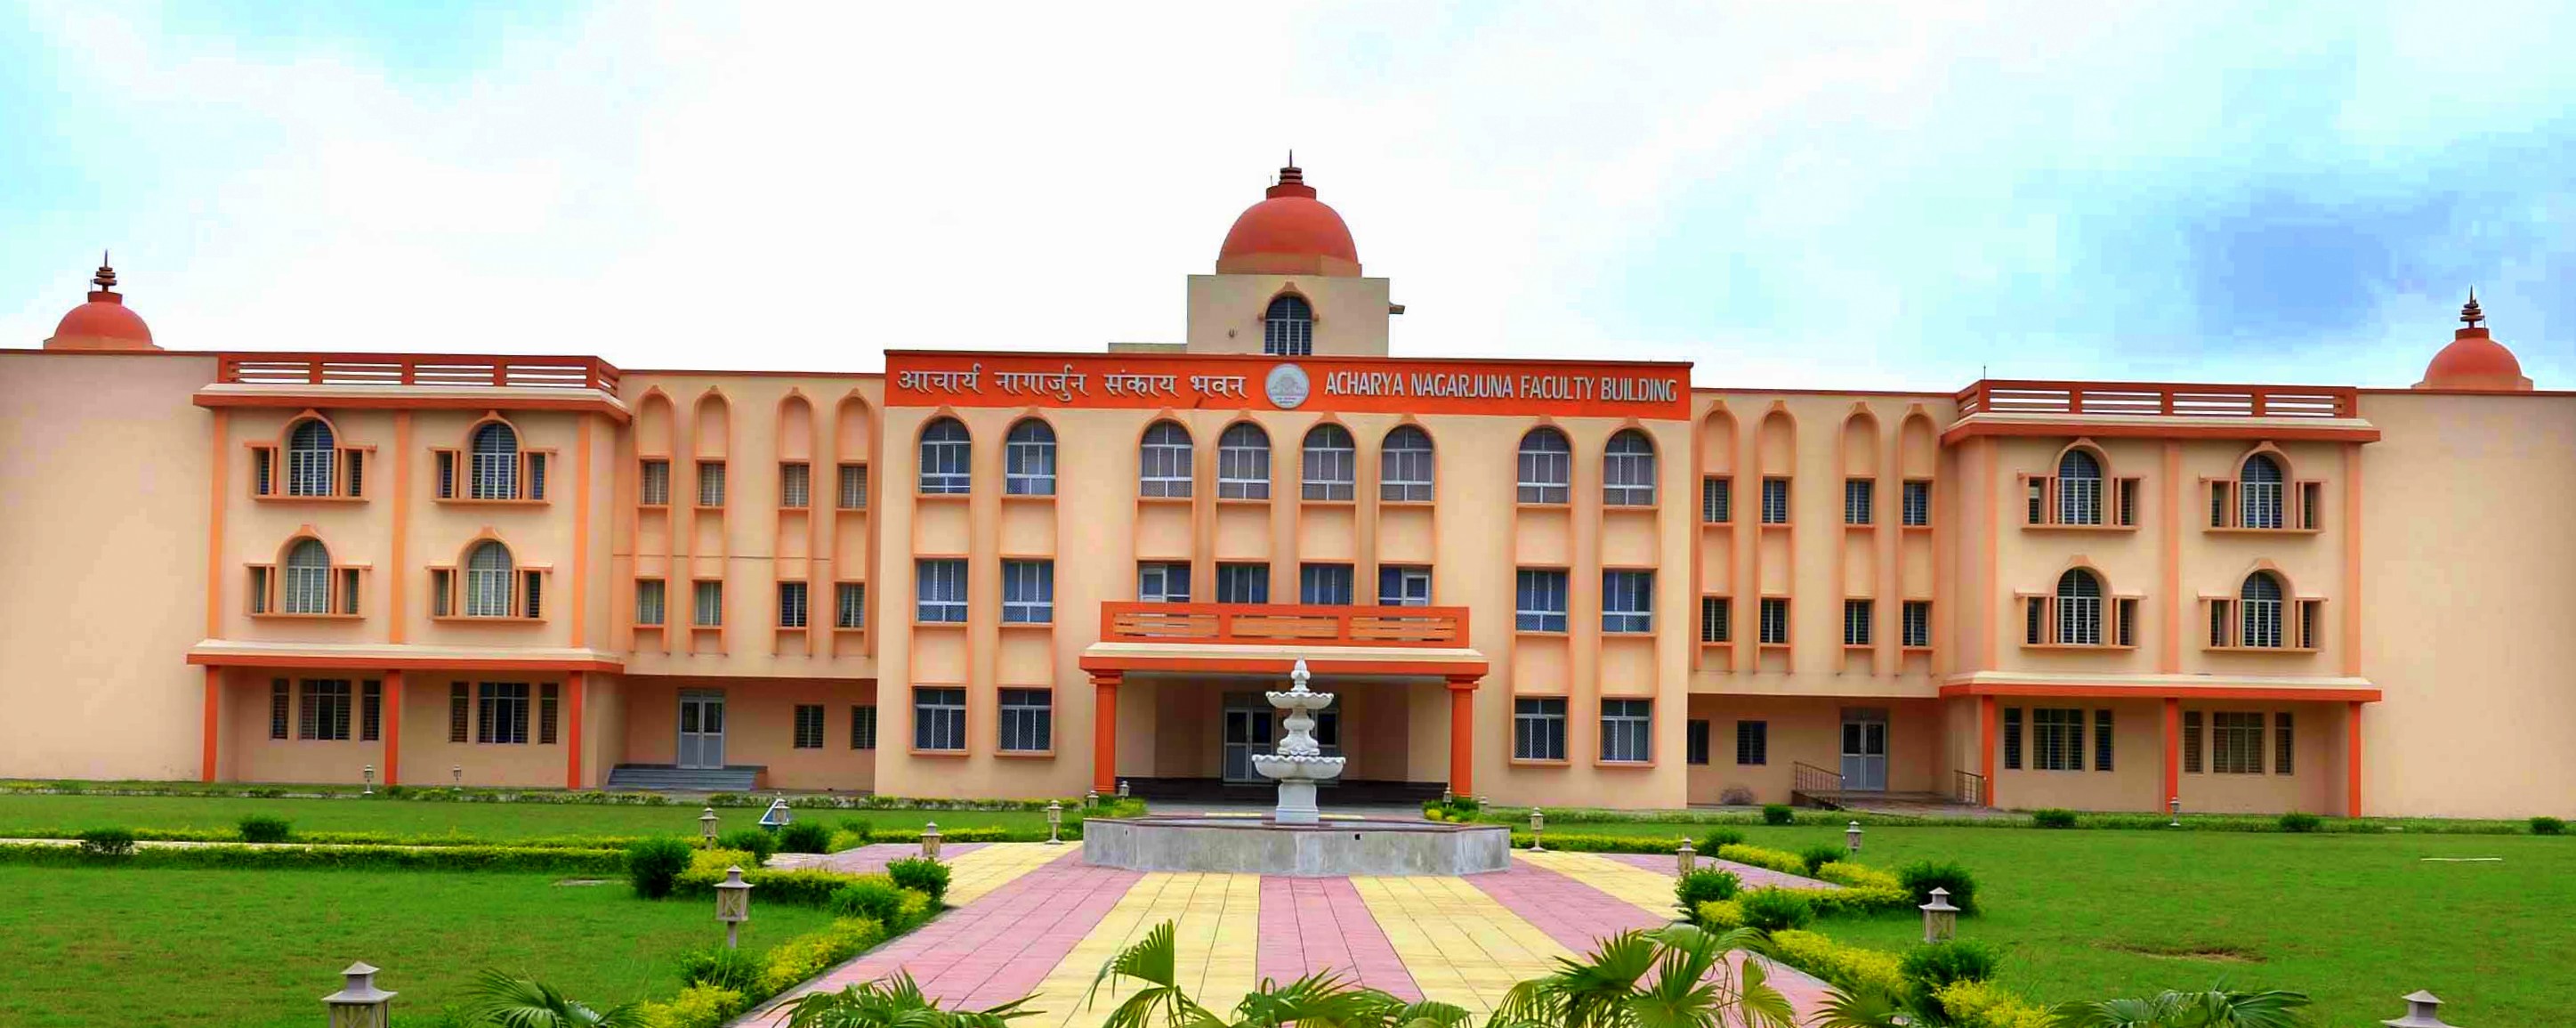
{"x":1546,"y":467}
{"x":1028,"y":459}
{"x":1163,"y":461}
{"x":2259,"y":492}
{"x":487,"y":581}
{"x":308,"y":578}
{"x":312,"y":456}
{"x":1405,"y":465}
{"x":1243,"y":463}
{"x":1288,"y":327}
{"x":2079,"y":608}
{"x":1628,"y":470}
{"x":946,"y":451}
{"x":493,"y":473}
{"x":2079,"y":488}
{"x":1331,"y":464}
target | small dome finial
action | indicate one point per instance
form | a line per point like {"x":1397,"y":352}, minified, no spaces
{"x":105,"y":280}
{"x":2469,"y":312}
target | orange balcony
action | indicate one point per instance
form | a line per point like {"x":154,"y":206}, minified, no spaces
{"x":416,"y":369}
{"x":1283,"y":623}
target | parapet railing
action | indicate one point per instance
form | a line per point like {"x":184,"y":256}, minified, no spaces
{"x":1294,"y":623}
{"x":416,"y":369}
{"x":2002,"y":396}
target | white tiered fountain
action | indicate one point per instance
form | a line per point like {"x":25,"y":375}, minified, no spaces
{"x":1299,"y":763}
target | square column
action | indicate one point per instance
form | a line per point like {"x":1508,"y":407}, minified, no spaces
{"x":393,"y":726}
{"x":1986,"y":733}
{"x":2173,"y":751}
{"x":1104,"y":731}
{"x":575,"y":684}
{"x":2352,"y":759}
{"x":214,"y":721}
{"x":1462,"y":734}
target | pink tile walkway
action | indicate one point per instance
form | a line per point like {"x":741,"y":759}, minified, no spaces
{"x":1752,"y":877}
{"x":1318,"y":924}
{"x":1576,"y":915}
{"x":870,"y":858}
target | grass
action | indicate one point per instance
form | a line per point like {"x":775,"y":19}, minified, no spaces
{"x":486,"y":822}
{"x":2355,"y":921}
{"x":111,"y":946}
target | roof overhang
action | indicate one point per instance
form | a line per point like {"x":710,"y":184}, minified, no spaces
{"x":233,"y":653}
{"x":412,"y":397}
{"x":1117,"y":657}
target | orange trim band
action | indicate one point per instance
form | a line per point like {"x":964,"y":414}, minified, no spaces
{"x":223,"y":660}
{"x":214,"y":721}
{"x":393,"y":727}
{"x":2147,"y":692}
{"x":2250,"y":430}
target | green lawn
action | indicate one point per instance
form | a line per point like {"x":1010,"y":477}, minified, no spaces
{"x":496,"y":822}
{"x":2355,"y":921}
{"x":119,"y":946}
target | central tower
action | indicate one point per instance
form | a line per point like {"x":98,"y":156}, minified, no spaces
{"x":1288,"y":283}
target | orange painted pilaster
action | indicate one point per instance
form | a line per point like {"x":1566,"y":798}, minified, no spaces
{"x":215,"y":564}
{"x":2351,"y":641}
{"x":581,"y":563}
{"x":1462,"y":736}
{"x":392,"y":727}
{"x":2173,"y":750}
{"x":2352,"y":760}
{"x":1104,"y":733}
{"x":1986,"y":744}
{"x":2169,"y":564}
{"x":576,"y":684}
{"x":214,"y":721}
{"x":395,"y":592}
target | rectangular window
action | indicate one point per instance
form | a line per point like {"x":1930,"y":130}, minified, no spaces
{"x":441,"y":582}
{"x":1858,"y":497}
{"x":2281,"y":743}
{"x":711,"y":483}
{"x":1399,"y":586}
{"x":2101,"y":740}
{"x":791,"y":605}
{"x":1716,"y":500}
{"x":939,"y":591}
{"x":1545,"y":470}
{"x":325,"y":711}
{"x":1775,"y":621}
{"x":1695,"y":742}
{"x":259,"y":589}
{"x":1918,"y":623}
{"x":2235,"y":743}
{"x":1856,"y":622}
{"x":2128,"y":497}
{"x":460,"y":706}
{"x":1540,"y":602}
{"x":1775,"y":501}
{"x":371,"y":711}
{"x":1243,"y":583}
{"x":2218,"y":619}
{"x":2034,"y":613}
{"x":2191,"y":741}
{"x":1627,"y":601}
{"x":795,"y":485}
{"x":1716,"y":620}
{"x":1028,"y":461}
{"x":446,"y":475}
{"x":1538,"y":728}
{"x":939,"y":719}
{"x":854,"y":487}
{"x":501,"y":712}
{"x":710,"y":604}
{"x":1627,"y":475}
{"x":809,"y":726}
{"x":280,"y":707}
{"x":1752,"y":743}
{"x":262,"y":471}
{"x":531,"y":592}
{"x":2057,"y":739}
{"x":1028,"y":592}
{"x":863,"y":726}
{"x":1163,"y":582}
{"x":653,"y":483}
{"x":1627,"y":730}
{"x":1163,"y":463}
{"x":1324,"y":583}
{"x":548,"y":699}
{"x":1918,"y":503}
{"x":648,"y":601}
{"x":850,"y":605}
{"x":2311,"y":496}
{"x":1028,"y":720}
{"x":2012,"y":738}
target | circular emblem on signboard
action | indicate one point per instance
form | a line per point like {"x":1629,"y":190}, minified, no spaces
{"x":1287,"y":386}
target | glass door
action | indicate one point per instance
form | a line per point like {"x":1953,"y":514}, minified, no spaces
{"x":701,"y":730}
{"x":1247,"y":731}
{"x":1865,"y":749}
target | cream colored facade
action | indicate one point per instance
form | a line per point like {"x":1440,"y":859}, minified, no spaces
{"x":2423,"y":667}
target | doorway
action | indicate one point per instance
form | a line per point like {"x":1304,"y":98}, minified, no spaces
{"x":702,"y":718}
{"x":1865,"y":749}
{"x":1247,"y":731}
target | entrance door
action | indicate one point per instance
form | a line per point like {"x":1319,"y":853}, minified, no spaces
{"x":702,"y":730}
{"x":1247,"y":731}
{"x":1865,"y":749}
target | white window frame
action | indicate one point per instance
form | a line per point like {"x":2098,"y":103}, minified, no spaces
{"x":2079,"y":488}
{"x":849,"y":605}
{"x":1775,"y":500}
{"x":1243,"y":462}
{"x":1406,"y":466}
{"x":1412,"y":585}
{"x":1773,"y":615}
{"x":1331,"y":585}
{"x":1627,"y":600}
{"x":1860,"y":501}
{"x":1028,"y":592}
{"x":502,"y":714}
{"x":794,"y":604}
{"x":2079,"y":608}
{"x":711,"y":483}
{"x":307,"y":578}
{"x":1243,"y":583}
{"x":947,"y":459}
{"x":2057,"y":738}
{"x":1328,"y":464}
{"x":939,"y":718}
{"x":1546,"y":467}
{"x":1028,"y":459}
{"x":1628,"y":470}
{"x":2259,"y":618}
{"x":1538,"y":728}
{"x":1163,"y":459}
{"x":493,"y":462}
{"x":1155,"y":580}
{"x":939,"y":591}
{"x":1027,"y":721}
{"x":706,"y":603}
{"x":2259,"y":494}
{"x":795,"y":485}
{"x":1288,"y":327}
{"x":652,"y":600}
{"x":312,"y":458}
{"x":489,"y":573}
{"x":653,"y":482}
{"x":1859,"y":621}
{"x":1627,"y":730}
{"x":1539,"y":600}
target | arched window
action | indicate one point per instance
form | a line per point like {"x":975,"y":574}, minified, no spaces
{"x":487,"y":581}
{"x":1547,"y":467}
{"x":1028,"y":459}
{"x":494,"y":471}
{"x":311,"y":459}
{"x":1331,"y":464}
{"x":2079,"y":488}
{"x":1628,"y":470}
{"x":1163,"y":461}
{"x":945,"y":453}
{"x":308,"y":578}
{"x":2261,"y":610}
{"x":2259,"y":492}
{"x":1288,"y":328}
{"x":1243,"y":463}
{"x":1405,"y":465}
{"x":2079,"y":608}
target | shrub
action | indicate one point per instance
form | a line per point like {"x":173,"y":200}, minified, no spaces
{"x":1923,"y":876}
{"x":2053,"y":817}
{"x":698,"y":1006}
{"x":730,"y":969}
{"x":1718,"y":916}
{"x":922,"y":875}
{"x":2548,"y":826}
{"x":808,"y":955}
{"x":861,"y":829}
{"x":1982,"y":1005}
{"x":1783,"y":861}
{"x":1776,"y":909}
{"x":1775,"y":814}
{"x":1705,"y":885}
{"x":760,"y":844}
{"x":654,"y":865}
{"x":1736,"y":796}
{"x":870,"y":897}
{"x":107,"y":842}
{"x":2295,"y":821}
{"x":805,"y":837}
{"x":263,"y":828}
{"x":1929,"y":967}
{"x":1720,"y":838}
{"x":1851,"y":967}
{"x":1817,"y":856}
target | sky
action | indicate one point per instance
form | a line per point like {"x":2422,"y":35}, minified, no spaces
{"x":1830,"y":195}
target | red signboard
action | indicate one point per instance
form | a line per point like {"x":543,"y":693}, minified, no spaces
{"x":1153,"y":381}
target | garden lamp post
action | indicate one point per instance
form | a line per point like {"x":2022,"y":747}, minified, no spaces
{"x":1122,"y":788}
{"x":367,"y":775}
{"x":1851,"y":838}
{"x":707,"y":827}
{"x":1091,"y":799}
{"x":2176,"y":804}
{"x":1940,"y":919}
{"x":1055,"y":823}
{"x":733,"y":904}
{"x":930,"y":840}
{"x":458,"y":773}
{"x":777,"y":816}
{"x":1447,"y":797}
{"x":1538,"y":824}
{"x":2423,"y":1010}
{"x":1689,"y":857}
{"x":359,"y":1004}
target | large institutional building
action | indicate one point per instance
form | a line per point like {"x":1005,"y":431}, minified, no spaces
{"x":1028,"y":574}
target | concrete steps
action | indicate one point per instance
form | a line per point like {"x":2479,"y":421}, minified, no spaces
{"x":671,"y":778}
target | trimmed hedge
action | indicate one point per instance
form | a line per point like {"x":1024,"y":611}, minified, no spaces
{"x":1572,"y":818}
{"x":604,"y":863}
{"x":1986,"y":1005}
{"x":1783,"y":861}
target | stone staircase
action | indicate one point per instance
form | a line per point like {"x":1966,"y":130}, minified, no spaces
{"x":672,"y":778}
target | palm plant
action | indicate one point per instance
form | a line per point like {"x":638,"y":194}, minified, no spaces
{"x":1677,"y":976}
{"x":1320,"y":1000}
{"x":2220,"y":1007}
{"x":513,"y":1002}
{"x":894,"y":1002}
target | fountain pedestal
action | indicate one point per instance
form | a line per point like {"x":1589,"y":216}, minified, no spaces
{"x":1299,"y":762}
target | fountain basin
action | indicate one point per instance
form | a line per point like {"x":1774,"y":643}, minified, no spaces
{"x":1330,"y":848}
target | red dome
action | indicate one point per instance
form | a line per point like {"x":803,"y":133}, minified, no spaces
{"x":2474,"y":360}
{"x":104,"y":323}
{"x":1289,"y":233}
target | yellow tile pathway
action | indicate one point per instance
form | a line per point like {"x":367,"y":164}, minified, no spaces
{"x":1460,"y":944}
{"x":1216,"y":922}
{"x":1648,"y":889}
{"x":973,"y":874}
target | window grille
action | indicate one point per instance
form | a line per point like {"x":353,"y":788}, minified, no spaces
{"x":1627,"y":730}
{"x":850,"y":605}
{"x":2261,"y":611}
{"x":278,"y":708}
{"x":711,"y":483}
{"x":791,"y":604}
{"x":1163,"y":462}
{"x":1546,"y":467}
{"x":371,"y":711}
{"x":1627,"y":601}
{"x":487,"y":581}
{"x":308,"y":578}
{"x":795,"y":485}
{"x":1716,"y":500}
{"x":2079,"y":608}
{"x":2079,"y":489}
{"x":1538,"y":728}
{"x":2012,"y":738}
{"x":2281,"y":743}
{"x":1752,"y":743}
{"x":1243,"y":463}
{"x":547,"y":701}
{"x":2259,"y":493}
{"x":648,"y":601}
{"x":311,"y":453}
{"x":2101,"y":740}
{"x":460,"y":705}
{"x":1028,"y":720}
{"x":1918,"y":504}
{"x":2057,"y":739}
{"x":1695,"y":741}
{"x":1775,"y":621}
{"x":324,"y":712}
{"x":501,"y":712}
{"x":1243,"y":583}
{"x":946,"y":455}
{"x":493,"y":469}
{"x":939,"y":719}
{"x":1775,"y":501}
{"x":1288,"y":328}
{"x":1918,"y":623}
{"x":1324,"y":584}
{"x":940,"y":591}
{"x":1539,"y":604}
{"x":1028,"y":592}
{"x":2191,"y":741}
{"x":863,"y":726}
{"x":2236,"y":743}
{"x":1330,"y":464}
{"x":1028,"y":459}
{"x":809,"y":727}
{"x":1405,"y":466}
{"x":1404,"y":586}
{"x":853,"y":487}
{"x":1858,"y":497}
{"x":1163,"y":582}
{"x":653,"y":483}
{"x":1628,"y":470}
{"x":709,"y":603}
{"x":1716,"y":620}
{"x":1856,"y":622}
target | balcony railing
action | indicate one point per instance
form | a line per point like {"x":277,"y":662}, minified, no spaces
{"x":1283,"y":623}
{"x":2155,"y":399}
{"x":416,"y":369}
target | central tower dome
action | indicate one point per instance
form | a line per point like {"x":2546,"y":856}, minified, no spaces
{"x":1289,"y":233}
